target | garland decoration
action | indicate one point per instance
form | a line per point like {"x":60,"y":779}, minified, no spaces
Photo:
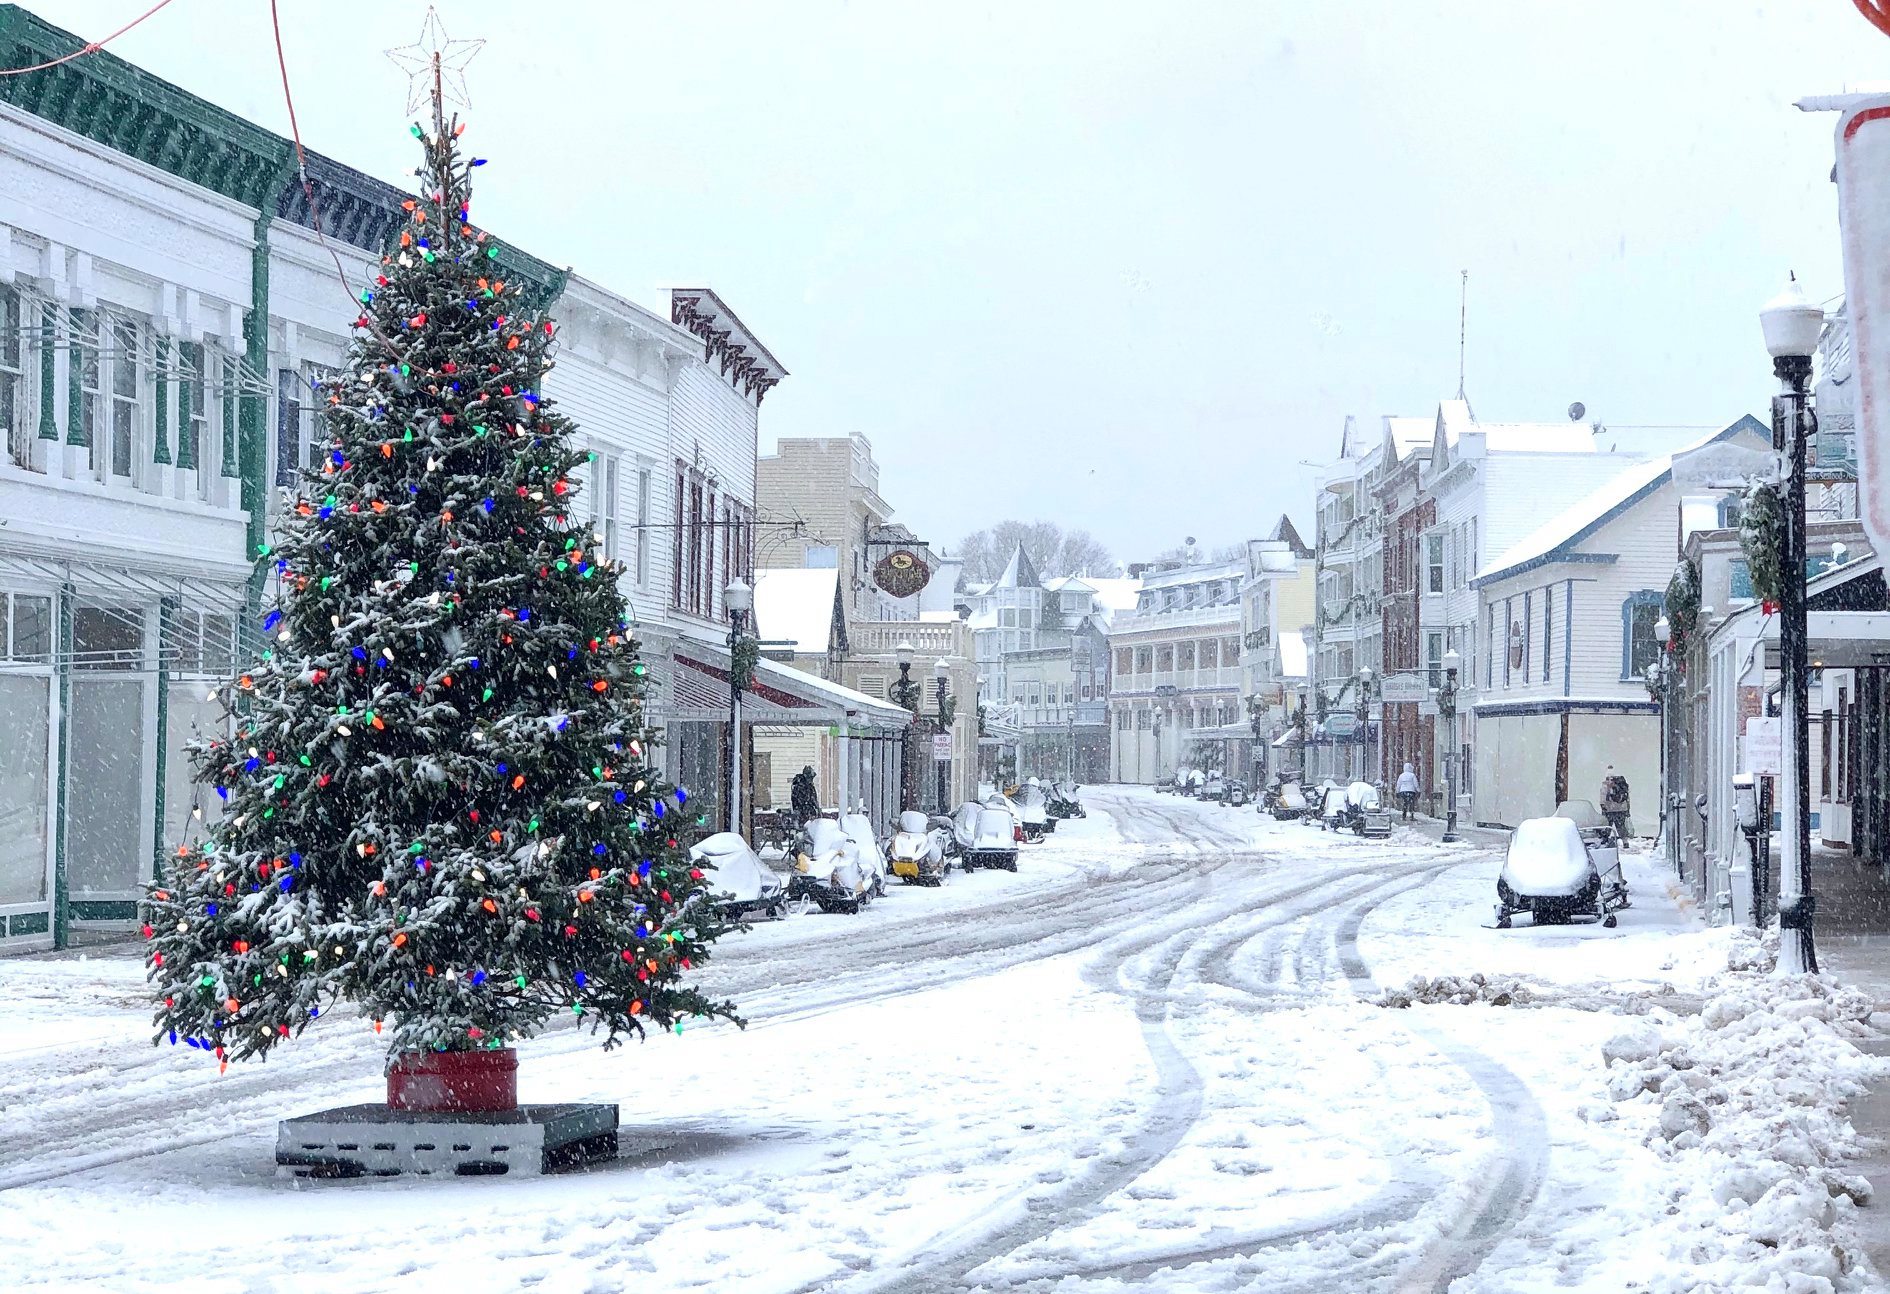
{"x":1762,"y":539}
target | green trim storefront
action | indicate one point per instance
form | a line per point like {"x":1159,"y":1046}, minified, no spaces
{"x":173,"y":636}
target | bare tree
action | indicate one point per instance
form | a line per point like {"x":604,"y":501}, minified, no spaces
{"x":1051,"y":549}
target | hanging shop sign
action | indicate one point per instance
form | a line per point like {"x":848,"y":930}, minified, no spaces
{"x":901,"y":573}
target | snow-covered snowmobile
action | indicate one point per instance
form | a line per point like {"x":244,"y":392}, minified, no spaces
{"x":1004,"y":803}
{"x":919,"y":848}
{"x":1285,"y":800}
{"x":859,"y":829}
{"x":1555,"y":874}
{"x":742,"y":885}
{"x":1332,"y":808}
{"x":828,"y":870}
{"x":986,"y":836}
{"x":1365,"y":813}
{"x":1034,"y":812}
{"x":1063,"y":802}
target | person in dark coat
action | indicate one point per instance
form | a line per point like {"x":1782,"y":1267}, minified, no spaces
{"x":1614,"y":802}
{"x":805,"y":800}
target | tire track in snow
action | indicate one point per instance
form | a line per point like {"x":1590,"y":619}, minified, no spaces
{"x":949,"y":1261}
{"x":1519,"y":1132}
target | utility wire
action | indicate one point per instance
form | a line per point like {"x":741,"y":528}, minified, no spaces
{"x":91,"y":47}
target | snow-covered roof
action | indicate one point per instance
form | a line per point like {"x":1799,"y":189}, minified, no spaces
{"x":1292,"y":654}
{"x":1019,"y":573}
{"x":1058,"y":583}
{"x":795,"y":604}
{"x":1408,"y":434}
{"x":983,"y":619}
{"x":842,"y":698}
{"x":1535,"y":437}
{"x":1116,"y":593}
{"x":1576,"y":521}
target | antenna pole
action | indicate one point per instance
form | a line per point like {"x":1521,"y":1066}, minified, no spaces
{"x":1463,"y":326}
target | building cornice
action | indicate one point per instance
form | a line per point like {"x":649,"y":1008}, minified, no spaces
{"x":726,"y":341}
{"x":127,"y":109}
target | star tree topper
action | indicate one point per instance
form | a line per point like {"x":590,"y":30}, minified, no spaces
{"x":436,"y":68}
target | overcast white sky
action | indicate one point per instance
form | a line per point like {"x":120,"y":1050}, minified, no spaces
{"x":1120,"y":265}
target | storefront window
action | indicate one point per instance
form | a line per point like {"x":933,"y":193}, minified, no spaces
{"x":107,"y":638}
{"x":26,"y":628}
{"x":25,"y":792}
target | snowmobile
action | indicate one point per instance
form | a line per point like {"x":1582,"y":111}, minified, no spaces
{"x":1006,"y":804}
{"x":828,"y":871}
{"x":1034,"y":812}
{"x":1365,"y":813}
{"x":1285,"y":801}
{"x":1063,"y":802}
{"x":1555,"y":871}
{"x":1332,"y":808}
{"x":986,"y":836}
{"x":858,"y":828}
{"x":1236,"y":793}
{"x":920,"y":848}
{"x":741,"y":884}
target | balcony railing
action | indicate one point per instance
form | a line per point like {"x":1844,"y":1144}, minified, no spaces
{"x":929,"y":638}
{"x":1182,"y":680}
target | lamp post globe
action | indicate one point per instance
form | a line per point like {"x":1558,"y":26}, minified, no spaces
{"x":1791,"y":323}
{"x":738,"y":597}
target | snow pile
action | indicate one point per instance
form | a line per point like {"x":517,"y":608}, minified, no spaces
{"x":1744,"y":1101}
{"x":1465,"y":990}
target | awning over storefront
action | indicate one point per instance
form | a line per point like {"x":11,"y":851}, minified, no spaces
{"x":95,"y":580}
{"x":779,"y":696}
{"x":1291,"y":737}
{"x":1838,"y":639}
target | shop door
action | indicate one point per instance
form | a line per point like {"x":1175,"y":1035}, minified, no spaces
{"x":105,"y":799}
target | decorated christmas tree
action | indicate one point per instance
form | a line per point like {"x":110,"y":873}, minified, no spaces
{"x":440,"y":802}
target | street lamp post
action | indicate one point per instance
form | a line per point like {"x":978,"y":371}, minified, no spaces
{"x":1447,"y":711}
{"x":1363,"y":709}
{"x":1664,"y":678}
{"x":941,"y":674}
{"x":738,"y":598}
{"x":904,"y":695}
{"x":1791,"y":325}
{"x":1305,"y":735}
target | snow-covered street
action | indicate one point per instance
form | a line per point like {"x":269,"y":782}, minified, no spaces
{"x":1151,"y":1059}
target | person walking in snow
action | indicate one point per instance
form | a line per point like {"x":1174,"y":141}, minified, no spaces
{"x":804,"y":800}
{"x":1408,"y":791}
{"x":1614,"y":802}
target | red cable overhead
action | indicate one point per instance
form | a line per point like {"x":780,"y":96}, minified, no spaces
{"x":308,"y":188}
{"x":91,"y":48}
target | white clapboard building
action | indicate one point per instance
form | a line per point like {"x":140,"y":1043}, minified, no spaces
{"x":165,"y":307}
